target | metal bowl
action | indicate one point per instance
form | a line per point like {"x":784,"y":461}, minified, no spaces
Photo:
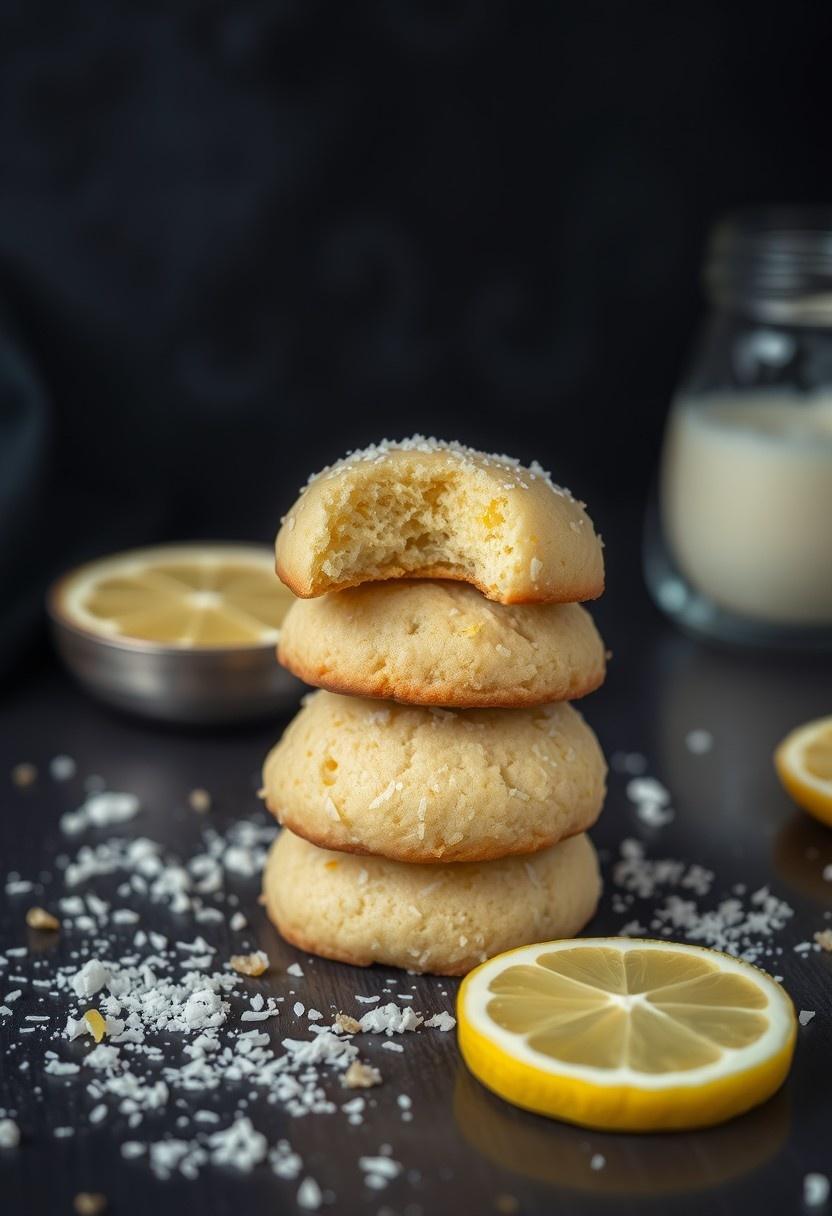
{"x":188,"y":685}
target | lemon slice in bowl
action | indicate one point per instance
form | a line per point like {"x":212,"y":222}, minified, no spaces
{"x":201,"y":595}
{"x":623,"y":1034}
{"x":179,"y":633}
{"x":804,"y":765}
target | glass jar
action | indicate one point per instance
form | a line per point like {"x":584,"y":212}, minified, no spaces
{"x":739,"y":535}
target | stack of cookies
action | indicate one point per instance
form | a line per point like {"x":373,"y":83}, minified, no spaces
{"x":436,"y":792}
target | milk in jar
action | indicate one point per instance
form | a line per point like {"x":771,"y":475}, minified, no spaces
{"x":746,"y":502}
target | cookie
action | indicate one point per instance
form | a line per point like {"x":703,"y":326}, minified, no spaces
{"x":442,"y":643}
{"x":440,"y":510}
{"x":443,"y":919}
{"x":423,"y":785}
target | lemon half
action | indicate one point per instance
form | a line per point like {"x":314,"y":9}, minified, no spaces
{"x":804,"y":765}
{"x":624,"y":1034}
{"x":188,"y":596}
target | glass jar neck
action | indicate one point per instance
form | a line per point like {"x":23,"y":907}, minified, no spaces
{"x":773,"y":265}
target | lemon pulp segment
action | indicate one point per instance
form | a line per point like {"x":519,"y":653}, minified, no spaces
{"x":189,"y":596}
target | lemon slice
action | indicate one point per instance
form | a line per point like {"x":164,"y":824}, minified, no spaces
{"x":804,"y":765}
{"x":621,"y":1034}
{"x":188,"y":596}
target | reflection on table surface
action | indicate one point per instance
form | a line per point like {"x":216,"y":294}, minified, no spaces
{"x":802,"y":850}
{"x":672,"y":1163}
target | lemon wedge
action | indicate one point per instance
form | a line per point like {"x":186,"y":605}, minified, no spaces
{"x":189,"y":596}
{"x":628,"y":1035}
{"x":804,"y":765}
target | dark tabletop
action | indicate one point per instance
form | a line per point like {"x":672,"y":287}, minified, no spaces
{"x":464,"y":1150}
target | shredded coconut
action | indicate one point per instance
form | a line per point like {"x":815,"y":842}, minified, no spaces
{"x":62,"y":768}
{"x":743,"y":926}
{"x":100,"y":811}
{"x":383,"y":797}
{"x":815,"y":1190}
{"x":441,"y":1021}
{"x":309,"y":1195}
{"x":9,"y":1133}
{"x":390,"y":1019}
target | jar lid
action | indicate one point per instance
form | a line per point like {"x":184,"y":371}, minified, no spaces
{"x":774,"y":263}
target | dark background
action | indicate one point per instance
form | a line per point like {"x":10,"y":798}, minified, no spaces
{"x":238,"y":239}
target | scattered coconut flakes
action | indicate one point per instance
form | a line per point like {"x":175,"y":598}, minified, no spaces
{"x":18,"y":886}
{"x":741,"y":925}
{"x":239,"y":1145}
{"x":253,"y":964}
{"x":815,"y":1190}
{"x":62,"y":768}
{"x":390,"y":1046}
{"x":237,"y":922}
{"x":90,"y":979}
{"x":378,"y":1171}
{"x":367,"y":1000}
{"x":597,"y":1161}
{"x":102,"y":1057}
{"x":652,"y":801}
{"x":285,"y":1163}
{"x":360,"y":1076}
{"x":39,"y":918}
{"x":823,"y":938}
{"x":698,"y":742}
{"x":9,"y":1133}
{"x":62,"y":1068}
{"x":295,"y":969}
{"x":805,"y":1016}
{"x":99,"y":811}
{"x":441,"y":1021}
{"x":309,"y":1196}
{"x":390,"y":1019}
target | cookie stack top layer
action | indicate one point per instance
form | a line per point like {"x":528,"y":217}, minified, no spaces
{"x":419,"y":507}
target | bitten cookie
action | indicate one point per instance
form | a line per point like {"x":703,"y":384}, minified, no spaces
{"x":441,"y":643}
{"x":440,"y":510}
{"x":441,"y":919}
{"x":424,"y":785}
